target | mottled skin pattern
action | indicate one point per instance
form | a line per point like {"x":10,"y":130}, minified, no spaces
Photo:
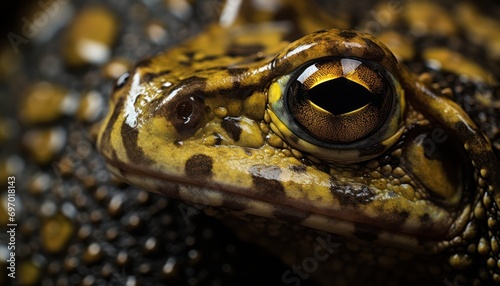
{"x":199,"y":122}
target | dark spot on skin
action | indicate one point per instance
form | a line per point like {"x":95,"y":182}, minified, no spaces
{"x":193,"y":84}
{"x":266,"y":180}
{"x":248,"y":151}
{"x":106,"y":136}
{"x":403,"y":216}
{"x":294,"y":138}
{"x":199,"y":166}
{"x":218,"y":139}
{"x":298,"y":168}
{"x":134,"y":153}
{"x":290,"y":215}
{"x":232,"y":127}
{"x":234,"y":203}
{"x":474,"y":149}
{"x":143,"y":63}
{"x":399,"y":218}
{"x":366,"y":232}
{"x":189,"y":54}
{"x":148,"y":77}
{"x":237,"y":50}
{"x":170,"y":190}
{"x":351,"y":195}
{"x":376,"y":53}
{"x":209,"y":58}
{"x":348,"y":34}
{"x":238,"y":90}
{"x":425,"y":219}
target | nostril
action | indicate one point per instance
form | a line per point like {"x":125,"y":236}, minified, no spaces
{"x":185,"y":109}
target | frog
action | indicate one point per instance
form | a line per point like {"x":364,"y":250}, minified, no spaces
{"x":290,"y":120}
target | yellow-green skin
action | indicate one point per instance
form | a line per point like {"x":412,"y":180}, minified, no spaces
{"x":235,"y":153}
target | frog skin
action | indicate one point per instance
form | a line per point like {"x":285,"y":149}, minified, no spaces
{"x":237,"y":118}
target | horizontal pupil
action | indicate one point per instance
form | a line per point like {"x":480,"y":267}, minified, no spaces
{"x":340,"y":96}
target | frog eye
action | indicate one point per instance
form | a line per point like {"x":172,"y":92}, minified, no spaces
{"x":342,"y":109}
{"x":122,"y":80}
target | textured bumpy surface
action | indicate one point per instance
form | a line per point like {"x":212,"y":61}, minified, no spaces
{"x":392,"y":178}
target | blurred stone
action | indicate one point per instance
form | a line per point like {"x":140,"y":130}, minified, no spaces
{"x":8,"y":129}
{"x":115,"y":68}
{"x":428,"y":18}
{"x":156,"y":32}
{"x":400,"y":46}
{"x":10,"y":61}
{"x":92,"y":254}
{"x":481,"y":29}
{"x":91,"y":106}
{"x":30,"y":273}
{"x":179,"y":8}
{"x":55,"y":233}
{"x":44,"y":144}
{"x":46,"y":102}
{"x":90,"y":36}
{"x":451,"y":61}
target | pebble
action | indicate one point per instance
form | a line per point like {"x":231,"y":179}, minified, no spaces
{"x":46,"y":102}
{"x":44,"y":144}
{"x":56,"y":232}
{"x":428,"y":18}
{"x":115,"y":68}
{"x":91,"y":106}
{"x":400,"y":46}
{"x":8,"y":129}
{"x":90,"y":37}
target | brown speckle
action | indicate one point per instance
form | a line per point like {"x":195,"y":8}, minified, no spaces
{"x":347,"y":34}
{"x":234,"y":203}
{"x":199,"y":166}
{"x":143,"y":63}
{"x":266,"y":179}
{"x":232,"y":127}
{"x":425,"y":219}
{"x":106,"y":135}
{"x":376,"y":53}
{"x":218,"y":139}
{"x":290,"y":215}
{"x":148,"y":77}
{"x":169,"y":189}
{"x":402,"y":217}
{"x":352,"y":194}
{"x":298,"y":168}
{"x":134,"y":153}
{"x":244,"y":50}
